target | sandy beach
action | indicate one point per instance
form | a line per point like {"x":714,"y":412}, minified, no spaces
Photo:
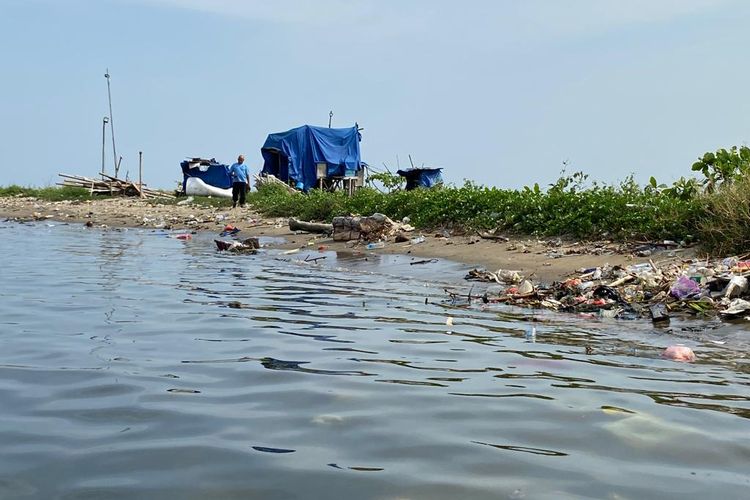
{"x":545,"y":260}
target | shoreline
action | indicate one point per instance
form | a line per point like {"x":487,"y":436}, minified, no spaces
{"x":541,"y":260}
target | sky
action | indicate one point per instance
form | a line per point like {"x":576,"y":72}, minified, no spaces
{"x":500,"y":92}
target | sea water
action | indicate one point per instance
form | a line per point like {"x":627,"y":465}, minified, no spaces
{"x":136,"y":365}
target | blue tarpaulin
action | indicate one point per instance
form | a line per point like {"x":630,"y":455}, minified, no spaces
{"x":209,"y":171}
{"x":421,"y":177}
{"x":294,"y":154}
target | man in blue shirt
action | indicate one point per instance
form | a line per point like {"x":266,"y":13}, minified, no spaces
{"x":240,"y":181}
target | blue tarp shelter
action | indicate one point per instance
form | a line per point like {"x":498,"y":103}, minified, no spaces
{"x":293,"y":155}
{"x":421,"y":177}
{"x":209,"y":171}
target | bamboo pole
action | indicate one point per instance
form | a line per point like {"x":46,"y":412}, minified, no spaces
{"x":140,"y":172}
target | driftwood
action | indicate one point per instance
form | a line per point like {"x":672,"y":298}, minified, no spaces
{"x":310,"y":227}
{"x":491,"y":236}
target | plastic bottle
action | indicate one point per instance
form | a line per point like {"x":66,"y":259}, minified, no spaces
{"x":415,"y":241}
{"x":372,"y":246}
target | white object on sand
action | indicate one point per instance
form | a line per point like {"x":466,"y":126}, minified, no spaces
{"x":195,"y":186}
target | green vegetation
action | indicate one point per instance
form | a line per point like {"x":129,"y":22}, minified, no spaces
{"x":714,"y":210}
{"x":724,"y":228}
{"x":723,"y":167}
{"x":46,"y":193}
{"x":565,"y":208}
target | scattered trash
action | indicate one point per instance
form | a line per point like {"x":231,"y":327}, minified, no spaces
{"x":659,"y":314}
{"x":373,"y":246}
{"x":684,"y":287}
{"x":737,"y":286}
{"x":531,"y":334}
{"x":679,"y":353}
{"x":184,"y":236}
{"x":737,"y":307}
{"x":186,"y":201}
{"x":374,"y":227}
{"x":690,"y":286}
{"x":525,"y":288}
{"x":248,"y":245}
{"x":229,"y":230}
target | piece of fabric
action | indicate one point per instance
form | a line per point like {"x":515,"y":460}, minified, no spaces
{"x":238,"y":172}
{"x":294,"y":154}
{"x":421,"y":177}
{"x":211,"y":172}
{"x":238,"y":192}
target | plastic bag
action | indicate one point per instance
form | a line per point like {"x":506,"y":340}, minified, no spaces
{"x":684,"y":287}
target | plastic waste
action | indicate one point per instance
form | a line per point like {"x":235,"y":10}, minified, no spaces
{"x":639,"y":268}
{"x":525,"y":287}
{"x":229,"y":230}
{"x":736,"y":308}
{"x":373,"y":246}
{"x":531,"y":334}
{"x":610,"y":313}
{"x":606,"y":292}
{"x":508,"y":276}
{"x":416,"y":241}
{"x":729,"y":262}
{"x":679,"y":353}
{"x":736,"y":287}
{"x":185,"y":236}
{"x":659,"y":314}
{"x":684,"y":288}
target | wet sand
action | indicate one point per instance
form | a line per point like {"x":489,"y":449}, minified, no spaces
{"x":546,"y":260}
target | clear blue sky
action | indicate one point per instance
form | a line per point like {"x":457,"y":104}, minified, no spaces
{"x":497,"y":91}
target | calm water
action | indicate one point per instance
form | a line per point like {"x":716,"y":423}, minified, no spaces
{"x":133,"y":365}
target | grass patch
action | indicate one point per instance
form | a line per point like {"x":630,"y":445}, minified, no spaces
{"x":725,"y":225}
{"x":52,"y":193}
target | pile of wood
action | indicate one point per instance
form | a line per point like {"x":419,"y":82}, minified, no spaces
{"x":112,"y":186}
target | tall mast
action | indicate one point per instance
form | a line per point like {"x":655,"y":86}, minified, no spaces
{"x":112,"y":124}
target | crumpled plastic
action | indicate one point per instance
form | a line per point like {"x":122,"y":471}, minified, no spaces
{"x":684,"y":288}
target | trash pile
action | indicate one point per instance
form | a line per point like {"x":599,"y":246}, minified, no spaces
{"x":372,"y":228}
{"x":247,"y":245}
{"x":698,"y":287}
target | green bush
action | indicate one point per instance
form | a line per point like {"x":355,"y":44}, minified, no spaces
{"x":566,"y":208}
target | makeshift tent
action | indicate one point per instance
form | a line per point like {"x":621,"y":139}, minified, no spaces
{"x":294,"y":155}
{"x":421,"y":177}
{"x":210,"y":171}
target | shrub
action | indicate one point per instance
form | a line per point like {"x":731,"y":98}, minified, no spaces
{"x":725,"y":225}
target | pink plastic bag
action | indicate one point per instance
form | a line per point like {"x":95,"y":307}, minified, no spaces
{"x":684,"y":287}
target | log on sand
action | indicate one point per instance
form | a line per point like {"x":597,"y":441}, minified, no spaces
{"x":310,"y":227}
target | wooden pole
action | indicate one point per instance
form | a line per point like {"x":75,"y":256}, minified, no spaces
{"x":112,"y":125}
{"x":140,"y":172}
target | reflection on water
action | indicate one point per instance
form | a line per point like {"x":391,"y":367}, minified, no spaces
{"x":134,"y":365}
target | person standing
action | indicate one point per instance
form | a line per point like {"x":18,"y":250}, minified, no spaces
{"x":240,"y":181}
